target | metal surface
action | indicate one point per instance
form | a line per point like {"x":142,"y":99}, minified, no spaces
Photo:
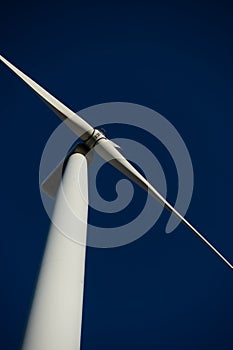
{"x":56,"y":315}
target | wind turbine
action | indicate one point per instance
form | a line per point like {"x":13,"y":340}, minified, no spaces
{"x":56,"y":316}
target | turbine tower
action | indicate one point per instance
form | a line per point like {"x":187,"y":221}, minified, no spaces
{"x":56,"y":316}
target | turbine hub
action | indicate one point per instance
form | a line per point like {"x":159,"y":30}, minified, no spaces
{"x":94,"y":138}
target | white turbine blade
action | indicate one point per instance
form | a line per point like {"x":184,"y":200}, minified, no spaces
{"x":51,"y":184}
{"x":77,"y":124}
{"x":106,"y":150}
{"x":104,"y":147}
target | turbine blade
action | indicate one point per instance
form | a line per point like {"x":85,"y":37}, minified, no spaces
{"x":73,"y":121}
{"x":109,"y":153}
{"x":104,"y":148}
{"x":51,"y":184}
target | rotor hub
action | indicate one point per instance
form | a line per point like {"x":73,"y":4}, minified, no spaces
{"x":94,"y":138}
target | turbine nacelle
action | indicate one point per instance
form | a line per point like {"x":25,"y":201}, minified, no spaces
{"x":51,"y":184}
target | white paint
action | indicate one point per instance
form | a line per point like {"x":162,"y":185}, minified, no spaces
{"x":56,"y":316}
{"x":77,"y":124}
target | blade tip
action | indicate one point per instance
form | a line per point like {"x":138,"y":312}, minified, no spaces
{"x":3,"y":59}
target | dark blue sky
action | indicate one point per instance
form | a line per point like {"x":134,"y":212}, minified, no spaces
{"x":163,"y":291}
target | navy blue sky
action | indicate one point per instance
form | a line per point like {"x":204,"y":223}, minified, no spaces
{"x":162,"y":291}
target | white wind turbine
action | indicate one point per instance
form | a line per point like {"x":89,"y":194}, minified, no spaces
{"x":56,"y":315}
